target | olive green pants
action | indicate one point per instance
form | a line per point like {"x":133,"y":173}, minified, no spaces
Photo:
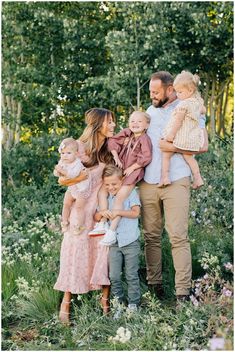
{"x":171,"y":203}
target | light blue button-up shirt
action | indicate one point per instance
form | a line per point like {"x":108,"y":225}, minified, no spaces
{"x":128,"y":229}
{"x":178,"y":166}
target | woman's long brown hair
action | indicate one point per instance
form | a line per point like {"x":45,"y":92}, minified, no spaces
{"x":94,"y":119}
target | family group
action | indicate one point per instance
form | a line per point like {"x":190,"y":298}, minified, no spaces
{"x":113,"y":179}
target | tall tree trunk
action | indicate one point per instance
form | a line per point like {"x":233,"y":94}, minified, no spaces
{"x":212,"y":109}
{"x":206,"y":94}
{"x":225,"y":107}
{"x":18,"y":122}
{"x":220,"y":114}
{"x":138,"y":93}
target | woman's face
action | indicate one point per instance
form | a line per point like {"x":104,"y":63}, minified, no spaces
{"x":107,"y":128}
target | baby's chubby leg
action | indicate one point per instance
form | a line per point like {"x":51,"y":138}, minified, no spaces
{"x":165,"y":180}
{"x":103,"y":200}
{"x":67,"y":205}
{"x":102,"y":226}
{"x":192,"y":162}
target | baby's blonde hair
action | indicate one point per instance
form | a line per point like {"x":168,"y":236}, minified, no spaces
{"x":187,"y":80}
{"x":68,"y":142}
{"x":147,"y":117}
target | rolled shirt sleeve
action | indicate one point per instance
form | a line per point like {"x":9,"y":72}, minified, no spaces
{"x":144,"y":157}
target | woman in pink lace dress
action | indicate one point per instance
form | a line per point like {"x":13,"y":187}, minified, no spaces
{"x":79,"y":253}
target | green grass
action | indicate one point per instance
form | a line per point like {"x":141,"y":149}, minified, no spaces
{"x":31,"y":246}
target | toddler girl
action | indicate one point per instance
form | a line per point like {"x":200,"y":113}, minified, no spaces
{"x":132,"y":151}
{"x":183,"y":129}
{"x":70,"y":166}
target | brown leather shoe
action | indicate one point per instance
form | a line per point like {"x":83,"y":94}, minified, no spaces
{"x":182,"y":298}
{"x":157,"y":290}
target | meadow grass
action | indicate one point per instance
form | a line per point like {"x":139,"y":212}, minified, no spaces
{"x":30,"y":263}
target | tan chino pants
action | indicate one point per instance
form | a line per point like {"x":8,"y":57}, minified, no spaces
{"x":172,"y":203}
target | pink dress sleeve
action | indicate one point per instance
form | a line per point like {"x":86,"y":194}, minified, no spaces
{"x":144,"y":157}
{"x":116,"y":142}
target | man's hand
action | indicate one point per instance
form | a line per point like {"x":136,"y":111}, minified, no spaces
{"x":170,"y":138}
{"x":166,"y":146}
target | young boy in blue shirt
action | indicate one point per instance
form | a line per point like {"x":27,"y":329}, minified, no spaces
{"x":126,"y":250}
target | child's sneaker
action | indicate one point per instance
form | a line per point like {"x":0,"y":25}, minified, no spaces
{"x":118,"y":313}
{"x":100,"y":228}
{"x":132,"y":307}
{"x":109,"y":238}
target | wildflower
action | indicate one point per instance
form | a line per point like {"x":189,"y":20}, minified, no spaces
{"x":193,"y":213}
{"x":123,"y":335}
{"x":194,"y":301}
{"x":228,"y":266}
{"x":226,"y":292}
{"x":217,"y":343}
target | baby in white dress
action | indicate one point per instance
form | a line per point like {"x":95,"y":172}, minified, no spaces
{"x":70,"y":166}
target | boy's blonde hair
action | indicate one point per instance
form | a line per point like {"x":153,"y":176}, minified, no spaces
{"x":111,"y":170}
{"x":68,"y":142}
{"x":187,"y":80}
{"x":147,"y":117}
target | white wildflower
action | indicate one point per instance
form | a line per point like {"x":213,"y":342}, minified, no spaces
{"x":217,"y":343}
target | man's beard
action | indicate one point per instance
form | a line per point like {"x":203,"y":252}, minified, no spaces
{"x":160,"y":103}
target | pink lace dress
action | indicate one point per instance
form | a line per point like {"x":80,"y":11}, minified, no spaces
{"x":83,"y":261}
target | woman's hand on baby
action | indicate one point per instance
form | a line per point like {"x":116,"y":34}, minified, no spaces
{"x":63,"y":181}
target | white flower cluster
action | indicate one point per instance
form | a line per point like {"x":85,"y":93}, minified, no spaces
{"x":25,"y":289}
{"x":123,"y":335}
{"x":228,"y":266}
{"x":208,"y":261}
{"x":53,"y":222}
{"x":11,"y":253}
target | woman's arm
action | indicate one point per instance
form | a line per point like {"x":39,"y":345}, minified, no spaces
{"x":169,"y":147}
{"x":63,"y":181}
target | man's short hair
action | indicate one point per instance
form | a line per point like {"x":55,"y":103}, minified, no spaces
{"x":165,"y":77}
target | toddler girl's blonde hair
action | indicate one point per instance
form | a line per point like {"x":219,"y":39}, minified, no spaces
{"x":68,"y":142}
{"x":142,"y":113}
{"x":187,"y":80}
